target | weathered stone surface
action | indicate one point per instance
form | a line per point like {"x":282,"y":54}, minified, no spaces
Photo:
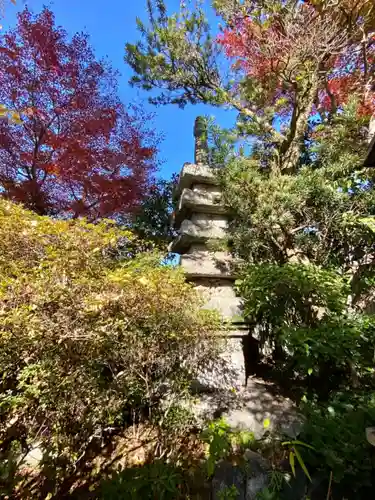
{"x":196,"y":174}
{"x":200,"y":262}
{"x":200,"y":228}
{"x":229,"y":307}
{"x":248,"y":407}
{"x":249,"y":478}
{"x":209,"y":225}
{"x":370,"y":159}
{"x":34,"y":457}
{"x":371,"y":129}
{"x":228,"y":373}
{"x":211,"y":191}
{"x":209,"y":200}
{"x":182,"y":243}
{"x":194,"y":200}
{"x":220,"y":295}
{"x":259,"y":401}
{"x":222,"y":389}
{"x":200,"y":217}
{"x":257,"y":469}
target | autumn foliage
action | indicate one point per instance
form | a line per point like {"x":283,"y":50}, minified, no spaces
{"x":75,"y":150}
{"x":280,"y":46}
{"x":89,"y":345}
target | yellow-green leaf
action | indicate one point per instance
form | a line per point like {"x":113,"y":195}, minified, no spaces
{"x":302,"y":463}
{"x":291,"y":461}
{"x":303,"y":444}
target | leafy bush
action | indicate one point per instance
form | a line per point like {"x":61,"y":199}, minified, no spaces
{"x":88,"y":342}
{"x":157,"y":480}
{"x":338,"y":347}
{"x":291,"y":294}
{"x":278,"y":298}
{"x":337,"y":433}
{"x":302,"y":309}
{"x":228,"y":493}
{"x":222,"y":441}
{"x":307,"y":242}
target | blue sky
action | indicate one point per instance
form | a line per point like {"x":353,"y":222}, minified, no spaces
{"x":110,"y":25}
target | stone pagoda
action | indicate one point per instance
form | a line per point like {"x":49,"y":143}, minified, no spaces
{"x":201,"y":219}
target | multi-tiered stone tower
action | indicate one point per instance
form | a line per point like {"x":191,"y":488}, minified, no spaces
{"x":202,"y":219}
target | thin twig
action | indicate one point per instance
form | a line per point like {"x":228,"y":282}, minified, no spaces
{"x":329,"y":486}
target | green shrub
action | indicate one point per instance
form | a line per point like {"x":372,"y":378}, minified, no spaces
{"x":292,"y":294}
{"x":228,"y":493}
{"x":337,"y":433}
{"x":338,"y":348}
{"x":88,"y":342}
{"x":157,"y":480}
{"x":222,"y":441}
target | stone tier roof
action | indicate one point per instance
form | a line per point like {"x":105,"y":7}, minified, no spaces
{"x":195,"y":232}
{"x":196,"y":174}
{"x":197,"y":201}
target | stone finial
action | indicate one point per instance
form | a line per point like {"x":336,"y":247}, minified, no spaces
{"x":201,"y":143}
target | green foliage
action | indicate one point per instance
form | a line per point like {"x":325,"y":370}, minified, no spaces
{"x":308,"y":280}
{"x":291,"y":294}
{"x":267,"y":494}
{"x":306,"y":217}
{"x":341,"y":143}
{"x":153,"y":219}
{"x":222,"y":440}
{"x":294,"y":448}
{"x":172,"y":55}
{"x":155,"y":480}
{"x":98,"y":339}
{"x":221,"y":143}
{"x":228,"y":493}
{"x":277,"y":479}
{"x":302,"y":206}
{"x":337,"y":433}
{"x":265,"y":60}
{"x":307,"y":244}
{"x":275,"y":485}
{"x":339,"y":350}
{"x":218,"y":437}
{"x":9,"y":473}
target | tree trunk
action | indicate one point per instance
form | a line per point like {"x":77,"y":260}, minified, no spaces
{"x":290,"y":150}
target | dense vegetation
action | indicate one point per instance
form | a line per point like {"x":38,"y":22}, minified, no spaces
{"x":307,"y":241}
{"x":93,"y":340}
{"x":99,"y":343}
{"x":301,"y":77}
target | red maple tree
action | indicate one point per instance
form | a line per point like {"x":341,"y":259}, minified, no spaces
{"x":76,"y":150}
